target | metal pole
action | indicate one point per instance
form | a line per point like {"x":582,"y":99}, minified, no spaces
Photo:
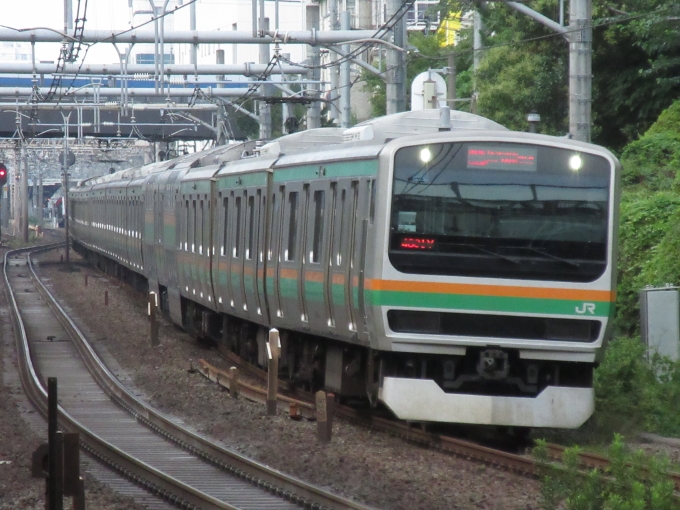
{"x":41,"y":199}
{"x":55,"y":500}
{"x":345,"y":103}
{"x":396,"y":63}
{"x":24,"y":195}
{"x":333,"y":71}
{"x":192,"y":26}
{"x":265,"y":108}
{"x":220,"y":139}
{"x":65,"y":175}
{"x":313,"y":73}
{"x":580,"y":69}
{"x":451,"y":82}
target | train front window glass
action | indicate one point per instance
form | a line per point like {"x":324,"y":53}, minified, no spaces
{"x":500,"y":210}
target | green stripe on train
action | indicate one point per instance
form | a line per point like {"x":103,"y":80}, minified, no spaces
{"x":242,"y":180}
{"x":489,"y":303}
{"x":333,"y":170}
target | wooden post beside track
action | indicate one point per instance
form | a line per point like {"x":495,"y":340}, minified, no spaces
{"x":106,"y":298}
{"x":273,"y":351}
{"x":153,"y":318}
{"x":322,"y":429}
{"x":233,"y":382}
{"x":85,"y":280}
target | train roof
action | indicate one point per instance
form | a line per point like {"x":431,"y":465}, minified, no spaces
{"x":321,"y":143}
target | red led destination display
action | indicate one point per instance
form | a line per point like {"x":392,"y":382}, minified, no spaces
{"x":416,"y":243}
{"x":522,"y":159}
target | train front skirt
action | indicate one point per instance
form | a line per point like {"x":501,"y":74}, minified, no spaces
{"x":423,"y":400}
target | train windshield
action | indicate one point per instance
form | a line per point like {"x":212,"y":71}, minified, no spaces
{"x":501,"y":210}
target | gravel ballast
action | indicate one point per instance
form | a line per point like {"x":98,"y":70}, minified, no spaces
{"x":374,"y":468}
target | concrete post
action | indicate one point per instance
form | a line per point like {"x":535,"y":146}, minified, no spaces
{"x":313,"y":73}
{"x":345,"y":112}
{"x":265,"y":108}
{"x":273,"y":351}
{"x":396,"y":63}
{"x":580,"y":69}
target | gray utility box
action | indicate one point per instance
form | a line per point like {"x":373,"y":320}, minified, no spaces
{"x":660,"y":321}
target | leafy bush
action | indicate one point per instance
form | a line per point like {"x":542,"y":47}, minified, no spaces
{"x":645,"y":221}
{"x":633,"y":481}
{"x":635,"y":393}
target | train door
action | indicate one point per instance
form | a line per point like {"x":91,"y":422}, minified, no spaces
{"x":276,"y":221}
{"x":290,"y":286}
{"x":365,"y":200}
{"x":149,"y":231}
{"x":342,"y":247}
{"x":158,"y":229}
{"x":222,"y":278}
{"x":253,"y":207}
{"x":237,"y":299}
{"x":262,"y":244}
{"x":315,"y":254}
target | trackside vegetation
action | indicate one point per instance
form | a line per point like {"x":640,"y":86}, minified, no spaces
{"x":644,"y":394}
{"x":633,"y":393}
{"x":633,"y":481}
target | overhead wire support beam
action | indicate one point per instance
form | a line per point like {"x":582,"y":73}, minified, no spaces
{"x":25,"y":92}
{"x":189,"y":36}
{"x":136,"y":69}
{"x":543,"y":20}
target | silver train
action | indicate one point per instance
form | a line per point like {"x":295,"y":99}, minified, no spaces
{"x":433,"y":261}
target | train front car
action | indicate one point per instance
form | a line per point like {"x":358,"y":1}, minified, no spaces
{"x":493,"y":292}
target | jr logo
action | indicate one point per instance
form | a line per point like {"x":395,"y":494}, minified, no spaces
{"x":586,"y":308}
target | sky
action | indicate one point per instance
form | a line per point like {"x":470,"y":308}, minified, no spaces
{"x":101,"y":15}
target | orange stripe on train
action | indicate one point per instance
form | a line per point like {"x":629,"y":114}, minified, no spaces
{"x":490,"y":290}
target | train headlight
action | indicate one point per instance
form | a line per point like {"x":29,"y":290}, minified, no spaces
{"x":425,"y":155}
{"x":576,"y":162}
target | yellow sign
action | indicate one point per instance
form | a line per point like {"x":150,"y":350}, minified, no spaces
{"x":448,"y":28}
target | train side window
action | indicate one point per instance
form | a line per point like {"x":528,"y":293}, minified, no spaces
{"x":343,"y":226}
{"x":225,"y":205}
{"x":261,"y":237}
{"x":206,"y":227}
{"x":194,"y":240}
{"x":199,"y":233}
{"x":292,"y":225}
{"x":237,"y":236}
{"x":333,"y":210}
{"x":251,"y":227}
{"x":319,"y":206}
{"x":371,"y":209}
{"x":353,"y":220}
{"x":186,"y":226}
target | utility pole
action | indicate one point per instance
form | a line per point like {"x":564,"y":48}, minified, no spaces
{"x":451,"y":79}
{"x":314,"y":72}
{"x":265,"y":108}
{"x":396,"y":63}
{"x":580,"y":68}
{"x":345,"y":82}
{"x":65,"y":176}
{"x":24,"y":195}
{"x":333,"y":107}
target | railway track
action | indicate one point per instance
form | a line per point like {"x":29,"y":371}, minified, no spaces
{"x":522,"y":464}
{"x":131,"y":438}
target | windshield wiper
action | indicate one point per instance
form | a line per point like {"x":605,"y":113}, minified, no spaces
{"x":503,"y":257}
{"x":551,"y":256}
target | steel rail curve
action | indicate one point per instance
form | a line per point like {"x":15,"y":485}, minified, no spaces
{"x":169,"y":488}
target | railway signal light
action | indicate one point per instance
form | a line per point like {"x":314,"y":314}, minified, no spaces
{"x":3,"y":174}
